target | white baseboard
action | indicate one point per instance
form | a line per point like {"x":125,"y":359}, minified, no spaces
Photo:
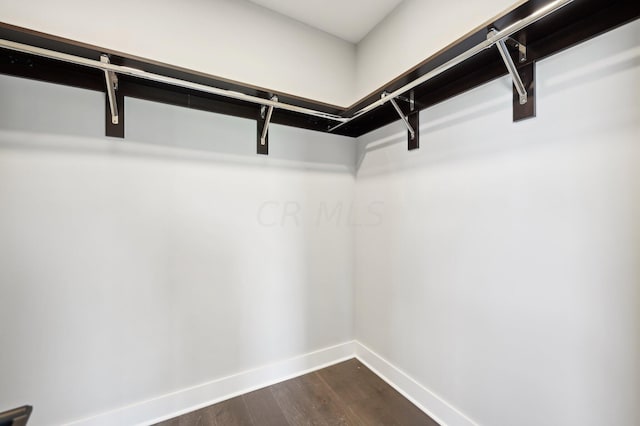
{"x":186,"y":400}
{"x":423,"y":398}
{"x":196,"y":397}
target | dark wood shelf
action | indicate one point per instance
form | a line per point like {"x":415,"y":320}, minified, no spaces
{"x":571,"y":25}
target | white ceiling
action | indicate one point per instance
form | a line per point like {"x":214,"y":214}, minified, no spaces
{"x":349,"y":20}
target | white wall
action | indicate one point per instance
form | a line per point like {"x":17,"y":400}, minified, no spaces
{"x":505,"y":274}
{"x":497,"y":265}
{"x":414,"y":31}
{"x":132,"y":269}
{"x":233,"y":39}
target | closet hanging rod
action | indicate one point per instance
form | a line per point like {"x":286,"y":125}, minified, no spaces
{"x":119,"y":69}
{"x":488,"y":43}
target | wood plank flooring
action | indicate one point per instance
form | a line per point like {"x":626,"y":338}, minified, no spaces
{"x":343,"y":394}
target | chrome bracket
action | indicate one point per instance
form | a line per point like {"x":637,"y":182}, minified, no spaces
{"x":112,"y":85}
{"x":523,"y":76}
{"x":511,"y":67}
{"x":267,"y":120}
{"x":412,"y":132}
{"x":521,"y":47}
{"x":263,"y":127}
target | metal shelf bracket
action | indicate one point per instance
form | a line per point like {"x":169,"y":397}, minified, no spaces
{"x":114,"y":123}
{"x":263,"y":127}
{"x":520,"y":47}
{"x":411,"y":121}
{"x":523,"y":76}
{"x":112,"y":86}
{"x":511,"y":67}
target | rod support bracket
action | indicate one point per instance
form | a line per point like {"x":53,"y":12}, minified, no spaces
{"x":263,"y":126}
{"x":412,"y":132}
{"x":511,"y":67}
{"x":112,"y":85}
{"x":519,"y":46}
{"x":522,"y":76}
{"x":114,"y":109}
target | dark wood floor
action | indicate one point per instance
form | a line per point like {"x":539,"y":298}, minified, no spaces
{"x":343,"y":394}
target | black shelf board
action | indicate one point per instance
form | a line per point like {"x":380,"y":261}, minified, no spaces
{"x":575,"y":23}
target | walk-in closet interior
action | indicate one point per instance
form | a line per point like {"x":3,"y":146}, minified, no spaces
{"x":291,"y":212}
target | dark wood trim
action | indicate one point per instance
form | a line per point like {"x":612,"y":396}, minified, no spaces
{"x":114,"y":130}
{"x":528,"y":75}
{"x":16,"y":416}
{"x":73,"y":47}
{"x":261,"y":122}
{"x":573,"y":24}
{"x":414,"y":122}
